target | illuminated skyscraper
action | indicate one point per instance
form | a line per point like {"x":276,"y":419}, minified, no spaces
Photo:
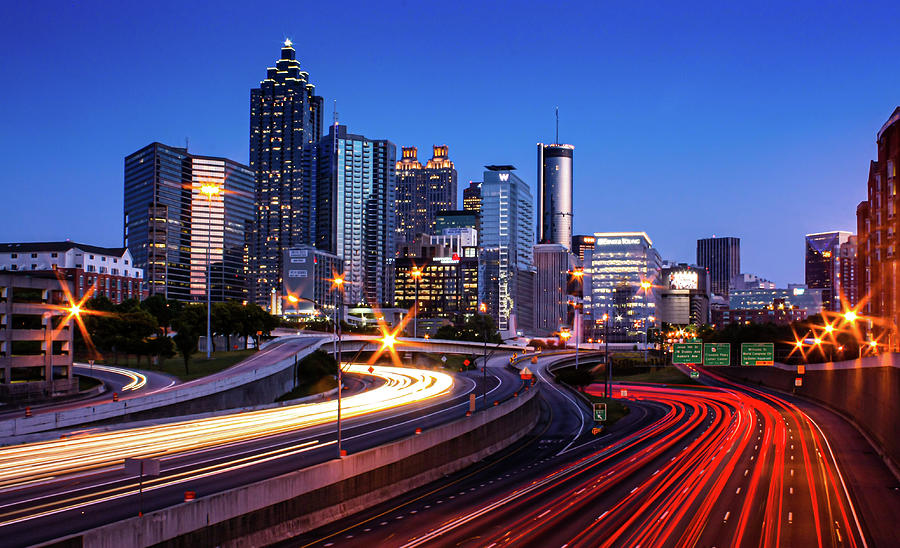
{"x":355,"y":212}
{"x":506,"y":270}
{"x":285,"y":120}
{"x":472,"y":197}
{"x":552,"y":264}
{"x":555,"y":194}
{"x":823,"y":252}
{"x":172,"y":228}
{"x":423,"y":191}
{"x":722,"y":258}
{"x":878,"y":223}
{"x":620,"y":262}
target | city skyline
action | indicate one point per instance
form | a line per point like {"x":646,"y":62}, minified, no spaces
{"x":801,"y":151}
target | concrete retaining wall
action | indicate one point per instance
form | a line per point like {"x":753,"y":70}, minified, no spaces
{"x":261,"y":385}
{"x":869,"y":396}
{"x":289,"y":505}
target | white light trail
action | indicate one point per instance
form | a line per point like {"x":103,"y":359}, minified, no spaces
{"x":25,"y":463}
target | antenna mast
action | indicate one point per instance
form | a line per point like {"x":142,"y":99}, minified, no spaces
{"x":335,"y":112}
{"x":557,"y":126}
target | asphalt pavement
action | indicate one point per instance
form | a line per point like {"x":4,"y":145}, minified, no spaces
{"x":42,"y":510}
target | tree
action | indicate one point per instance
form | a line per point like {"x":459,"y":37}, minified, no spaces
{"x":163,"y":310}
{"x":188,"y":326}
{"x":577,"y":378}
{"x":475,"y":329}
{"x":226,"y":320}
{"x":135,"y":329}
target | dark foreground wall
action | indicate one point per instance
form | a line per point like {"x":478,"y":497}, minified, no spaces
{"x":869,"y":396}
{"x":279,"y":508}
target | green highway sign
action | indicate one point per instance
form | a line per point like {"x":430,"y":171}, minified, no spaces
{"x":599,"y":412}
{"x":689,"y":352}
{"x":757,"y":353}
{"x":717,"y":354}
{"x":695,"y":374}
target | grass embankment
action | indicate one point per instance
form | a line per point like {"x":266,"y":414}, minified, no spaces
{"x":574,"y":378}
{"x":86,"y":383}
{"x":454,"y":361}
{"x":630,"y":367}
{"x":199,"y":366}
{"x":615,"y":409}
{"x":316,"y":373}
{"x":662,"y":375}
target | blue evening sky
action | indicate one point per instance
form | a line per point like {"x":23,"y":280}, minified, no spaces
{"x":745,"y":119}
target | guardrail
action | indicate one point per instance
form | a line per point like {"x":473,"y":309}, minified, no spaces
{"x":178,"y":394}
{"x":279,"y":508}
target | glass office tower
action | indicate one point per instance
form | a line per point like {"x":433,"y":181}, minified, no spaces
{"x":619,"y":263}
{"x":722,"y":258}
{"x":423,"y":191}
{"x":285,"y":123}
{"x":172,"y":228}
{"x":555,"y":194}
{"x":355,"y":211}
{"x":506,"y":277}
{"x":823,"y":257}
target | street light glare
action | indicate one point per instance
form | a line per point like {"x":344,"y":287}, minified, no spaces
{"x":210,"y":190}
{"x":850,"y":316}
{"x":388,"y":341}
{"x":829,"y":328}
{"x":75,"y":310}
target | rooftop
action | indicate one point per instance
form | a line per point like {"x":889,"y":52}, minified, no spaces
{"x":36,"y":247}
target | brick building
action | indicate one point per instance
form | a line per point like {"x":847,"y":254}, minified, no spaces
{"x":878,"y":225}
{"x":111,"y":270}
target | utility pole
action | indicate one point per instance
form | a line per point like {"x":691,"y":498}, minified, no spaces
{"x":606,"y":343}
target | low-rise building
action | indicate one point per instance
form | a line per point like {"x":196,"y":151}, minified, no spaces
{"x":795,"y":296}
{"x":308,"y":276}
{"x":110,"y":271}
{"x":446,"y":270}
{"x":684,"y":296}
{"x":35,"y":337}
{"x":779,"y":313}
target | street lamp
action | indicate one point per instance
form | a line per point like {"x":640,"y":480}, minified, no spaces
{"x":338,"y":283}
{"x":209,"y":190}
{"x":416,"y":274}
{"x":606,"y":351}
{"x":482,"y":308}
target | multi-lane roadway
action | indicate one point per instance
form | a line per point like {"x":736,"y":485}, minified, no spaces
{"x":690,"y":465}
{"x":60,"y":487}
{"x":722,"y":465}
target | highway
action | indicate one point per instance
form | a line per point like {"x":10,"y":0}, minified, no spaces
{"x":691,"y":466}
{"x":127,"y":383}
{"x":60,"y":487}
{"x":131,"y":384}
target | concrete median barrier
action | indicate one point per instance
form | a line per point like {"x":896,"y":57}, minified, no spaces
{"x":279,"y":508}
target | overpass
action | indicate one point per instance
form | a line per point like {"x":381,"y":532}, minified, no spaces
{"x":259,"y":379}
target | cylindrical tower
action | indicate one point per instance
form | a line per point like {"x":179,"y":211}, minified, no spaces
{"x":555,"y":194}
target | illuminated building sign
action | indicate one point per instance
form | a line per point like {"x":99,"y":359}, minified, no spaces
{"x":447,"y":260}
{"x":618,"y":241}
{"x":799,"y":291}
{"x":683,"y":279}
